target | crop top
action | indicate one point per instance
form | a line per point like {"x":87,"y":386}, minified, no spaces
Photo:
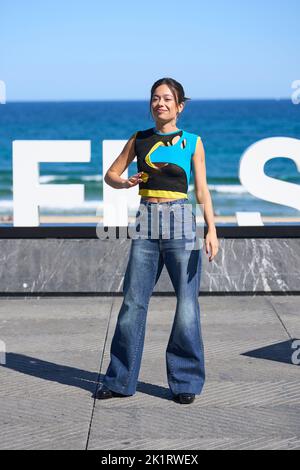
{"x":166,"y":166}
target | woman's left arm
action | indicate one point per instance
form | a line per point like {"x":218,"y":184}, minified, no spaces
{"x":203,"y":197}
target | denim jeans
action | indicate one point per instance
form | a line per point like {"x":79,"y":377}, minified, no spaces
{"x":184,"y":352}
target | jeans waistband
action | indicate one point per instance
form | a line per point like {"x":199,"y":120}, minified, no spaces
{"x":175,"y":201}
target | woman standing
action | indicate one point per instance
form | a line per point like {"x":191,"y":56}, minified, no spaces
{"x":164,"y":158}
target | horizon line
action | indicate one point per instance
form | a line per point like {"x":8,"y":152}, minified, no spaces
{"x":141,"y":100}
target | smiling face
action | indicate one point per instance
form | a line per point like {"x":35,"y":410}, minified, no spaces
{"x":163,"y":105}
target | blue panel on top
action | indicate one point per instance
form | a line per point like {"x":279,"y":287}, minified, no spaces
{"x":176,"y":154}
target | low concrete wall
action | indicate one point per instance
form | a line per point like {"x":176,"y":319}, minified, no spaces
{"x":93,"y":266}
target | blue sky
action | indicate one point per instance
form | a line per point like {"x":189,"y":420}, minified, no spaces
{"x":94,"y":49}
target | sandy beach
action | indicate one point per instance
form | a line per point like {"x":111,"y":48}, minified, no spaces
{"x":96,"y":219}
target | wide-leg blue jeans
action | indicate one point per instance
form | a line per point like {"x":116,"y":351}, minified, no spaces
{"x":148,"y":255}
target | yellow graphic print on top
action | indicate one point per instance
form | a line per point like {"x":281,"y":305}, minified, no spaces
{"x":148,"y":160}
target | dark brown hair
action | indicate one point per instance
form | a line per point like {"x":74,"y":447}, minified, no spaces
{"x":175,"y":87}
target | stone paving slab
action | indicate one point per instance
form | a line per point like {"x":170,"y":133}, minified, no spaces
{"x":56,"y":347}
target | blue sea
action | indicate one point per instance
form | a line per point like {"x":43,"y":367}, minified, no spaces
{"x":227,"y":128}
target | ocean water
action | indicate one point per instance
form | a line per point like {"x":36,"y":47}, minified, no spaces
{"x":227,"y":128}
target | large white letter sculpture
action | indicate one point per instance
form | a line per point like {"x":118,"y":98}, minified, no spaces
{"x":116,"y":201}
{"x":2,"y":92}
{"x":28,"y":193}
{"x":253,"y":178}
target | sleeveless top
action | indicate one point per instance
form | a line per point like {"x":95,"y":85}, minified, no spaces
{"x":166,"y":166}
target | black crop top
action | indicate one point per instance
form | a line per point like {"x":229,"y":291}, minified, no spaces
{"x":166,"y":165}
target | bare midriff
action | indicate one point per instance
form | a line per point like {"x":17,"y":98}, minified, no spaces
{"x":158,"y":199}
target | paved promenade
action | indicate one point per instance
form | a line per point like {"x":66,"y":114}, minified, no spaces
{"x":58,"y":348}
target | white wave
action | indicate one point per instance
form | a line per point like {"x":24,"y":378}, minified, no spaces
{"x":94,"y":205}
{"x":92,"y":178}
{"x":5,"y":204}
{"x":50,"y":178}
{"x":91,"y":206}
{"x":227,"y":188}
{"x":223,"y":188}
